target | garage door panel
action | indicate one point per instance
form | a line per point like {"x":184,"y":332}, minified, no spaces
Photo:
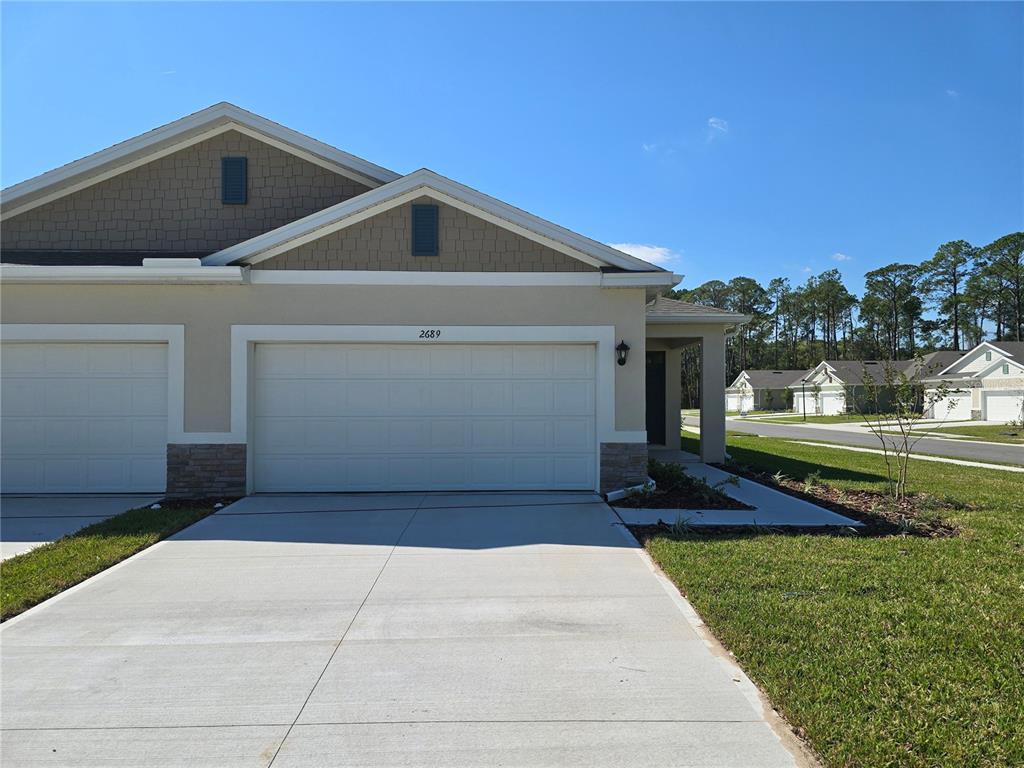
{"x":425,"y":417}
{"x":87,"y":417}
{"x":1003,"y":406}
{"x":533,"y":397}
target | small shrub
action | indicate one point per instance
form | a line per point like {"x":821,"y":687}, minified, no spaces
{"x":813,"y":480}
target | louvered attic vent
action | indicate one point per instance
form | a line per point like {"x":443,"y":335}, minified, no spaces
{"x":424,"y":230}
{"x":234,"y":180}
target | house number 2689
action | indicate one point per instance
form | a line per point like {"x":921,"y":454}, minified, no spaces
{"x":430,"y":333}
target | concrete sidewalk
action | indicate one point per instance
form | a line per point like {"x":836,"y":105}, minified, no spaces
{"x":771,"y":507}
{"x":381,"y":630}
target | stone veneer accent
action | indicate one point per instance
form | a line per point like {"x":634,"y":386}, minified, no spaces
{"x":623,"y":465}
{"x":467,"y":244}
{"x":199,"y":471}
{"x":173,"y":203}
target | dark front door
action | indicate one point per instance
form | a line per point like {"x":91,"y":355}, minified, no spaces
{"x":656,"y":398}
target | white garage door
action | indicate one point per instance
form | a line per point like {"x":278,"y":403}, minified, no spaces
{"x":954,"y":407}
{"x":86,"y":418}
{"x":1003,"y":406}
{"x":832,"y":403}
{"x":804,"y":403}
{"x":371,"y":417}
{"x":739,"y":403}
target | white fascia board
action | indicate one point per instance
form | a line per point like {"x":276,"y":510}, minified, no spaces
{"x":26,"y":273}
{"x":996,"y":363}
{"x":503,"y":279}
{"x":416,"y":184}
{"x":192,"y":129}
{"x":971,"y":355}
{"x":726,"y":318}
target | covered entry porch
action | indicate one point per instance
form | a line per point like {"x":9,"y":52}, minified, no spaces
{"x":672,"y":326}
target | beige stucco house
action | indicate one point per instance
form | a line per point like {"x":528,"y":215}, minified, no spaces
{"x":226,"y":306}
{"x":986,"y":382}
{"x":761,"y":390}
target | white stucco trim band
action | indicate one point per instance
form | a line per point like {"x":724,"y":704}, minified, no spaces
{"x":166,"y":273}
{"x":502,"y":279}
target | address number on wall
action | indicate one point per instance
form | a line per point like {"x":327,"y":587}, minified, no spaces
{"x":430,"y":333}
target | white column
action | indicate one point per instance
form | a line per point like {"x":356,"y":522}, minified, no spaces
{"x":673,"y":397}
{"x":712,"y":398}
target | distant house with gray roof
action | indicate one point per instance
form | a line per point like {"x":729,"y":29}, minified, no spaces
{"x":761,"y":390}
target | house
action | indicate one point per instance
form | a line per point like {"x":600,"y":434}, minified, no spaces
{"x":986,"y":382}
{"x":224,"y":306}
{"x":761,"y":390}
{"x":826,"y":389}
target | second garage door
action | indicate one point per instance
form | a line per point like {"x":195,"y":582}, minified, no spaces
{"x":366,"y":417}
{"x":1004,"y":406}
{"x":83,"y":418}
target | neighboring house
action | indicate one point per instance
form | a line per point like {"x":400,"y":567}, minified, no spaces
{"x":986,"y":382}
{"x":838,"y":386}
{"x":757,"y":390}
{"x":224,"y":306}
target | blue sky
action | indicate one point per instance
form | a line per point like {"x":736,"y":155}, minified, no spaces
{"x":757,"y":139}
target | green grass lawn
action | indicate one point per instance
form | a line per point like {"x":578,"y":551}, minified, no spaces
{"x":991,"y":433}
{"x":41,"y":573}
{"x":896,"y":651}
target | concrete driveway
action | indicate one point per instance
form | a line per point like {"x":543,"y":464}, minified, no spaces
{"x":379,"y":630}
{"x":28,"y":521}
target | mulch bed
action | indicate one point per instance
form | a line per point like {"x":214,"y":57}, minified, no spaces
{"x":917,"y":515}
{"x":674,"y":489}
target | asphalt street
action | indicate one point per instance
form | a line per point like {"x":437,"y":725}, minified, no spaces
{"x":1002,"y":453}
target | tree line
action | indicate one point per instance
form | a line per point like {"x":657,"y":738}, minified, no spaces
{"x":960,"y":296}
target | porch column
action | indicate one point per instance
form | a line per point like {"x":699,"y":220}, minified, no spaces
{"x":712,"y":398}
{"x":673,"y":397}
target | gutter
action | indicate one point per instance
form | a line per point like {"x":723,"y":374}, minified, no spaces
{"x":177,"y":271}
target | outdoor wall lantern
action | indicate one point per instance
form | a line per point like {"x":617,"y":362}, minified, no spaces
{"x":622,"y":351}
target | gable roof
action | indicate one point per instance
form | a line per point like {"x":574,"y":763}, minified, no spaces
{"x":665,"y":310}
{"x":177,"y":135}
{"x":425,"y":182}
{"x":1014,"y":349}
{"x":771,"y":379}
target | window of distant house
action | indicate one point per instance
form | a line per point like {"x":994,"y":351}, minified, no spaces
{"x":234,"y":180}
{"x":988,"y":355}
{"x":424,"y":230}
{"x":1006,"y":369}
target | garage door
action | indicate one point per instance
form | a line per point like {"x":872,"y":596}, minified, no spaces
{"x":953,"y":407}
{"x":832,"y":403}
{"x":364,"y":417}
{"x":739,"y":403}
{"x":804,"y":403}
{"x":83,"y":418}
{"x":1003,"y":406}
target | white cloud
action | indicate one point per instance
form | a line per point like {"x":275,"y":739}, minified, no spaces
{"x":952,"y":94}
{"x":652,"y":147}
{"x":806,"y":270}
{"x":841,"y":257}
{"x":169,"y":72}
{"x":654,"y":254}
{"x":718,"y":124}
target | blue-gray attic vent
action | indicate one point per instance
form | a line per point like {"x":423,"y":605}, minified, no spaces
{"x":424,"y":230}
{"x":234,"y":180}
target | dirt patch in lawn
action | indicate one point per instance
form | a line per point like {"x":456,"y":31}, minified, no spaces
{"x":674,"y":489}
{"x":917,"y":515}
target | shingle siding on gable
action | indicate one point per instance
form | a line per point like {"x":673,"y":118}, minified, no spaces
{"x":174,"y":203}
{"x":467,"y":244}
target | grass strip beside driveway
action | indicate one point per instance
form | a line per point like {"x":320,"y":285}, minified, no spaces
{"x":895,"y":651}
{"x":29,"y":578}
